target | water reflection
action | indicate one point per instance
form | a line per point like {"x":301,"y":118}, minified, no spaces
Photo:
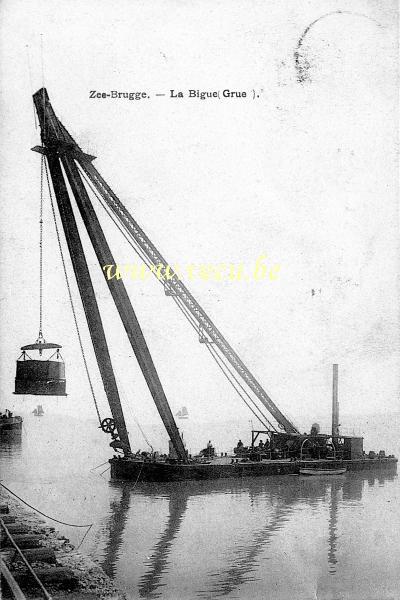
{"x":350,"y":489}
{"x":115,"y":529}
{"x":333,"y":521}
{"x":265,"y":509}
{"x":242,"y":562}
{"x":152,"y":579}
{"x":10,"y":442}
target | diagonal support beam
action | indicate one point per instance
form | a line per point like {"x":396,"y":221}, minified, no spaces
{"x":178,"y":288}
{"x":123,"y":303}
{"x":58,"y":145}
{"x":88,"y":296}
{"x":55,"y":135}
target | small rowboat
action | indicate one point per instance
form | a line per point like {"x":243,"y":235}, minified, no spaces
{"x":322,"y":471}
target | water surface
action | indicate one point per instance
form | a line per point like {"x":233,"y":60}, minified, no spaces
{"x":282,"y":538}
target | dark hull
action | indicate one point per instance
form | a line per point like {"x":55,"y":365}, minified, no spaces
{"x":132,"y":470}
{"x":11,"y":424}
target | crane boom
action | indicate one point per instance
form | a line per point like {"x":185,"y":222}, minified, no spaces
{"x":55,"y":132}
{"x":155,"y":258}
{"x":61,"y":152}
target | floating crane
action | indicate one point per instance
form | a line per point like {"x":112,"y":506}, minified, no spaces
{"x":68,"y":167}
{"x":67,"y":161}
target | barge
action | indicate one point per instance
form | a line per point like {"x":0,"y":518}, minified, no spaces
{"x":133,"y":470}
{"x":10,"y":422}
{"x":277,"y":453}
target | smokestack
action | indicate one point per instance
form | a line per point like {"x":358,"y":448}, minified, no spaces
{"x":335,"y":403}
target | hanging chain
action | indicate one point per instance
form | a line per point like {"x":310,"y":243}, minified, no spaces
{"x":40,"y":336}
{"x":70,"y":294}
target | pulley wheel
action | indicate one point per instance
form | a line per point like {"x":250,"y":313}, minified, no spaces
{"x":108,"y":425}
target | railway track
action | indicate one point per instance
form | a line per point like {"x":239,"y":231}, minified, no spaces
{"x":28,"y":565}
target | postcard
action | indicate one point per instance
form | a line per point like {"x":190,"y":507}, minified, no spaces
{"x":200,"y":288}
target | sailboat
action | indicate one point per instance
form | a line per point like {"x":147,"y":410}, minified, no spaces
{"x":38,"y":411}
{"x":182,"y":413}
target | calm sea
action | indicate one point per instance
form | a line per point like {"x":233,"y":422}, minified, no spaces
{"x":286,"y":538}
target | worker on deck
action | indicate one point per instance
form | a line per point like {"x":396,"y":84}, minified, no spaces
{"x":239,"y":447}
{"x":210,"y":449}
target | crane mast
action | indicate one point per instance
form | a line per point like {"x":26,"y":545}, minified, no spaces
{"x":177,"y":287}
{"x":61,"y":152}
{"x":174,"y":286}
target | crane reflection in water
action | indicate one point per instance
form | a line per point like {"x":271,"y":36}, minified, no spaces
{"x":273,"y":501}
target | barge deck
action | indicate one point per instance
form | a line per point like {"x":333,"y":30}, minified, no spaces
{"x":133,"y":470}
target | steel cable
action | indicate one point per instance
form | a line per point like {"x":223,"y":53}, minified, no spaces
{"x":217,"y":358}
{"x":70,"y":297}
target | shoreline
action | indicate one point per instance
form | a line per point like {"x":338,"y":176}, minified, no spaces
{"x":85,"y":578}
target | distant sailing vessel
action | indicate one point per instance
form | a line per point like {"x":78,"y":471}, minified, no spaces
{"x":183,"y":413}
{"x":38,"y":411}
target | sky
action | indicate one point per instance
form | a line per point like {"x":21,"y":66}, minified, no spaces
{"x":304,"y":173}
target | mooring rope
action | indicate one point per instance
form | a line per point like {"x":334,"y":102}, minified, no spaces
{"x":137,"y":478}
{"x":102,"y":473}
{"x":98,"y":466}
{"x":42,"y":513}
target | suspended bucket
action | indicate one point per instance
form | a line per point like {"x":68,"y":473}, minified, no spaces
{"x":40,"y":376}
